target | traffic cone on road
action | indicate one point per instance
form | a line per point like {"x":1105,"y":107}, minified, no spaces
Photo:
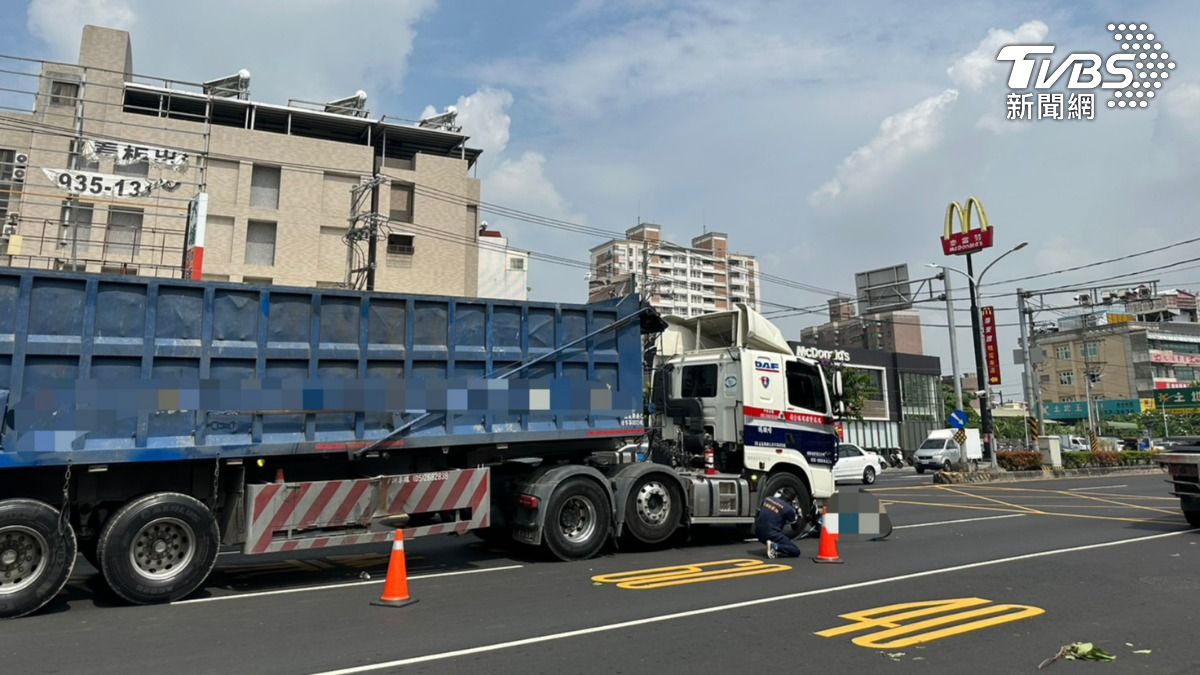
{"x":827,"y":550}
{"x":395,"y":588}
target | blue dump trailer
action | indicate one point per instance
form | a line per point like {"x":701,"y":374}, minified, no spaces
{"x":147,"y":424}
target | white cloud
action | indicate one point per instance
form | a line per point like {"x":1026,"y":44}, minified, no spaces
{"x":522,"y":183}
{"x":59,"y":22}
{"x":687,"y":52}
{"x":979,"y":67}
{"x":484,"y":117}
{"x":902,"y":135}
{"x":302,"y":49}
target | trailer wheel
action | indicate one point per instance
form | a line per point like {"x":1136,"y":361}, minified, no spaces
{"x":653,"y":510}
{"x":578,"y":520}
{"x":37,"y":554}
{"x":1191,"y":510}
{"x":803,"y":504}
{"x":158,"y":548}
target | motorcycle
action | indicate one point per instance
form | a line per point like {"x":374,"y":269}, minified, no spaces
{"x":894,"y":458}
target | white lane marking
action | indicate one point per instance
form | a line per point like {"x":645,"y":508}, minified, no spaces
{"x":1098,"y":487}
{"x":326,"y":587}
{"x":960,"y":520}
{"x":735,"y":605}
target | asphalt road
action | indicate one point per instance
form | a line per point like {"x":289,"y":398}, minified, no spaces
{"x":1107,"y":560}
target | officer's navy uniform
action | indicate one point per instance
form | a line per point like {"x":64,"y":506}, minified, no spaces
{"x":773,"y":516}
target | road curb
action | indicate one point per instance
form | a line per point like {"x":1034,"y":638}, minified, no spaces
{"x":955,"y":477}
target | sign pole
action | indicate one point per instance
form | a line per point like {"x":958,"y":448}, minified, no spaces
{"x":958,"y":396}
{"x":981,"y":376}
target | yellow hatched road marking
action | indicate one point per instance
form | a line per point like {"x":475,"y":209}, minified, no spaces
{"x":679,"y":575}
{"x":988,"y":499}
{"x":973,"y":614}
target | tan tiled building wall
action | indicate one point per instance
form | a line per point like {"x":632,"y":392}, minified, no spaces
{"x":315,"y":177}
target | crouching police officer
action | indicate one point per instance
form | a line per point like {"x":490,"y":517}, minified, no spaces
{"x":774,"y":515}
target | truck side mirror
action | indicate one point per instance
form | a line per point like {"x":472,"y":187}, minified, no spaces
{"x":838,"y":391}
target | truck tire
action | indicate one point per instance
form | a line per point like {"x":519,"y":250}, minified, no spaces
{"x":158,"y":548}
{"x":947,"y":466}
{"x":1191,"y":510}
{"x":803,"y":504}
{"x":920,"y":469}
{"x":578,"y":520}
{"x":654,"y":509}
{"x":37,"y":555}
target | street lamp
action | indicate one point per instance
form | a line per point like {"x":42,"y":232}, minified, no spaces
{"x":975,"y":283}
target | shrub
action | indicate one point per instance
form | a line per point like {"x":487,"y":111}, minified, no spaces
{"x":1137,"y":457}
{"x":1106,"y":458}
{"x":1076,"y":460}
{"x":1019,"y":460}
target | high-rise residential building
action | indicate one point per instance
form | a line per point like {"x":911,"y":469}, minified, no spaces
{"x":686,"y":281}
{"x":103,"y":171}
{"x":898,"y":331}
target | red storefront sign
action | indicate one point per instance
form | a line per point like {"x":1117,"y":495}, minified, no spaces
{"x":1175,"y":359}
{"x":966,"y":240}
{"x":990,"y":348}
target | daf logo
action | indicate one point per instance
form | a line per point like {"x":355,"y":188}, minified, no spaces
{"x":766,"y":366}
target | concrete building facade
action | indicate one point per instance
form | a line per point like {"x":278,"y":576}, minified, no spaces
{"x":707,"y":277}
{"x":278,"y":179}
{"x":898,"y":331}
{"x":503,"y":271}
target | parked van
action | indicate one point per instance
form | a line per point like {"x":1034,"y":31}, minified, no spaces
{"x":940,"y":452}
{"x":1074,"y":443}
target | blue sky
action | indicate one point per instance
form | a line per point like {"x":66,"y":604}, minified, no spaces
{"x":825,"y":138}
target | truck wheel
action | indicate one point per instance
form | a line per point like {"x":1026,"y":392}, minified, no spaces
{"x":577,"y":520}
{"x":1191,"y":510}
{"x":947,"y":466}
{"x":803,"y":503}
{"x":920,"y":469}
{"x":653,"y":511}
{"x":869,"y":475}
{"x":158,"y":548}
{"x":36,"y":555}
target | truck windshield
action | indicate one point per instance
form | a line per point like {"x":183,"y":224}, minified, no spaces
{"x":933,"y":444}
{"x":804,"y":387}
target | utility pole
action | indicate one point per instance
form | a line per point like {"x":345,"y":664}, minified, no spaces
{"x":985,"y":410}
{"x":372,"y":241}
{"x":359,"y":230}
{"x":1028,"y":385}
{"x":958,"y":396}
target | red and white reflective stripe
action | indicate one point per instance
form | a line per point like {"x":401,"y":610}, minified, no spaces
{"x":398,"y":545}
{"x":290,"y":509}
{"x":803,"y":418}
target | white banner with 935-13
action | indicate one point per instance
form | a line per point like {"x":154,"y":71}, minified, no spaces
{"x":102,"y":184}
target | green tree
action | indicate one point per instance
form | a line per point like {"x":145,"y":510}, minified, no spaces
{"x":949,"y":404}
{"x":857,"y":389}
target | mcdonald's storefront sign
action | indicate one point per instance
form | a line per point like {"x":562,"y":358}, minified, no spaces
{"x":967,"y":239}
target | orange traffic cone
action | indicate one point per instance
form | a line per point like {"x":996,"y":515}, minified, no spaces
{"x":827,"y":550}
{"x":395,"y":588}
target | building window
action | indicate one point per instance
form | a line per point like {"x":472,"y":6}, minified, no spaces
{"x":76,"y":228}
{"x":516,"y":264}
{"x":1185,"y":374}
{"x":260,"y":242}
{"x":258,"y":281}
{"x":1063,"y":352}
{"x":400,"y":244}
{"x":264,"y":187}
{"x":123,"y":233}
{"x":401,"y":208}
{"x":1066,"y":377}
{"x":63,"y":93}
{"x":1067,"y":399}
{"x":135,"y":169}
{"x":1091,"y":350}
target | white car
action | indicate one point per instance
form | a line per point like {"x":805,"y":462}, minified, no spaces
{"x":854,"y":463}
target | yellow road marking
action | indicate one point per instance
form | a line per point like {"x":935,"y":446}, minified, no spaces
{"x":679,"y":575}
{"x":1064,"y":494}
{"x":988,"y":499}
{"x":955,"y":506}
{"x":975,"y":614}
{"x":1034,"y":512}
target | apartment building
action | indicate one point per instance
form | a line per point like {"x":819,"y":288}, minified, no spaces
{"x":685,"y":281}
{"x":103,"y":175}
{"x":1126,"y":360}
{"x":503,"y":270}
{"x":898,"y":331}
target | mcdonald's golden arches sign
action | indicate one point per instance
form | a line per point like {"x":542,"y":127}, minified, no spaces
{"x":966,"y":240}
